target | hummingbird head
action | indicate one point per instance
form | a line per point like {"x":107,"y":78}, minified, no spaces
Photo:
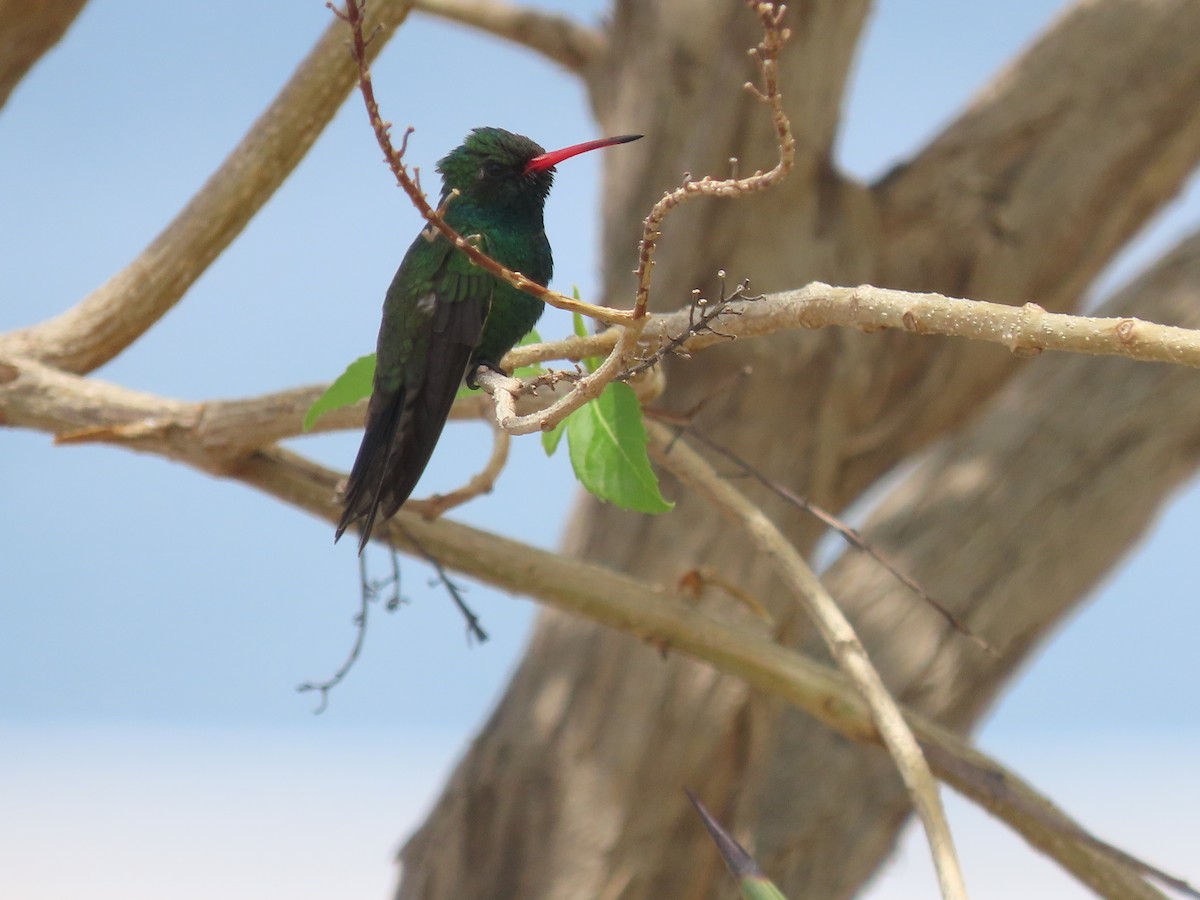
{"x":496,"y":167}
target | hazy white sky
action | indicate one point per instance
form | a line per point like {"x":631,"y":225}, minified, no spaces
{"x":154,"y":622}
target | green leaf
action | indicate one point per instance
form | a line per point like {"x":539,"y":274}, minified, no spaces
{"x":551,"y":438}
{"x":607,"y":441}
{"x":351,"y":386}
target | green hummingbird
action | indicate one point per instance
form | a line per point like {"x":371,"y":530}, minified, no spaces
{"x":444,"y":317}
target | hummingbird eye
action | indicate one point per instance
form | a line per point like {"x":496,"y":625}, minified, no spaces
{"x":490,"y":169}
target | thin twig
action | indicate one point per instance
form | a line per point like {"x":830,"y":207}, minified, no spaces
{"x":702,"y":318}
{"x":694,"y":581}
{"x":474,"y":629}
{"x":775,"y":36}
{"x":690,"y":468}
{"x":852,"y":536}
{"x":369,"y":592}
{"x":481,"y":482}
{"x":395,"y":161}
{"x":506,"y":390}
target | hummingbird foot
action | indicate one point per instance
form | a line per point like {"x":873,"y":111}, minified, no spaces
{"x":483,"y":364}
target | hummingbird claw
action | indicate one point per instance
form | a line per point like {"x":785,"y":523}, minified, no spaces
{"x":483,"y":364}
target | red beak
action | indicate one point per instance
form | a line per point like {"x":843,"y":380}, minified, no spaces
{"x":554,"y":157}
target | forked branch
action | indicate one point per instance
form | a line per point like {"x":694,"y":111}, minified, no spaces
{"x":558,"y":38}
{"x":674,"y":453}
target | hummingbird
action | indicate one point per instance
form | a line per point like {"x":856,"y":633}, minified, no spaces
{"x":444,"y":317}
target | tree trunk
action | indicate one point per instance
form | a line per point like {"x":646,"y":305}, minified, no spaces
{"x":573,"y":788}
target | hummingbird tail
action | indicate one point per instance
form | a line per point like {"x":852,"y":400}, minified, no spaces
{"x":403,"y":425}
{"x":364,"y":488}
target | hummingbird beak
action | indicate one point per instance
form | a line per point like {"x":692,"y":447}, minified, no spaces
{"x":554,"y":157}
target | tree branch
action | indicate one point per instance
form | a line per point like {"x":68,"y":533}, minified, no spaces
{"x":1057,"y":153}
{"x":571,"y":585}
{"x":28,"y":29}
{"x":35,"y":395}
{"x":480,"y":483}
{"x":560,"y":39}
{"x":674,"y":453}
{"x":114,"y":315}
{"x":615,"y":600}
{"x":775,"y":36}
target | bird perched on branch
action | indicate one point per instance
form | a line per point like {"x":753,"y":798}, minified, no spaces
{"x":443,"y":316}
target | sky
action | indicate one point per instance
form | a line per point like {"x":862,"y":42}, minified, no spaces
{"x":155,"y":622}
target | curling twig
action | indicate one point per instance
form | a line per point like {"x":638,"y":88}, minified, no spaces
{"x":775,"y":35}
{"x":369,"y":591}
{"x":481,"y":482}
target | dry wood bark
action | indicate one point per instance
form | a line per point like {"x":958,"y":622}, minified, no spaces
{"x":28,"y":29}
{"x":572,"y":788}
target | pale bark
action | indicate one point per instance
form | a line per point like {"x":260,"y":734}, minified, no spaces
{"x":28,"y":30}
{"x":559,"y":38}
{"x":1024,"y":198}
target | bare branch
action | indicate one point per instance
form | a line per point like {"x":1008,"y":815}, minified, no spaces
{"x":558,"y":38}
{"x":216,"y":433}
{"x":369,"y":590}
{"x":690,"y":468}
{"x":474,"y":629}
{"x":395,"y":160}
{"x":506,"y":390}
{"x":851,"y":535}
{"x":1024,"y":330}
{"x":114,"y":315}
{"x":775,"y":36}
{"x":613,"y":599}
{"x":27,"y":31}
{"x":38,"y":396}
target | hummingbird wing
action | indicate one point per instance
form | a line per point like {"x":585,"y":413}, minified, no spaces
{"x":432,"y":322}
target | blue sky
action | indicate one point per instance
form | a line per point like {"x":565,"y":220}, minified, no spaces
{"x":155,"y":622}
